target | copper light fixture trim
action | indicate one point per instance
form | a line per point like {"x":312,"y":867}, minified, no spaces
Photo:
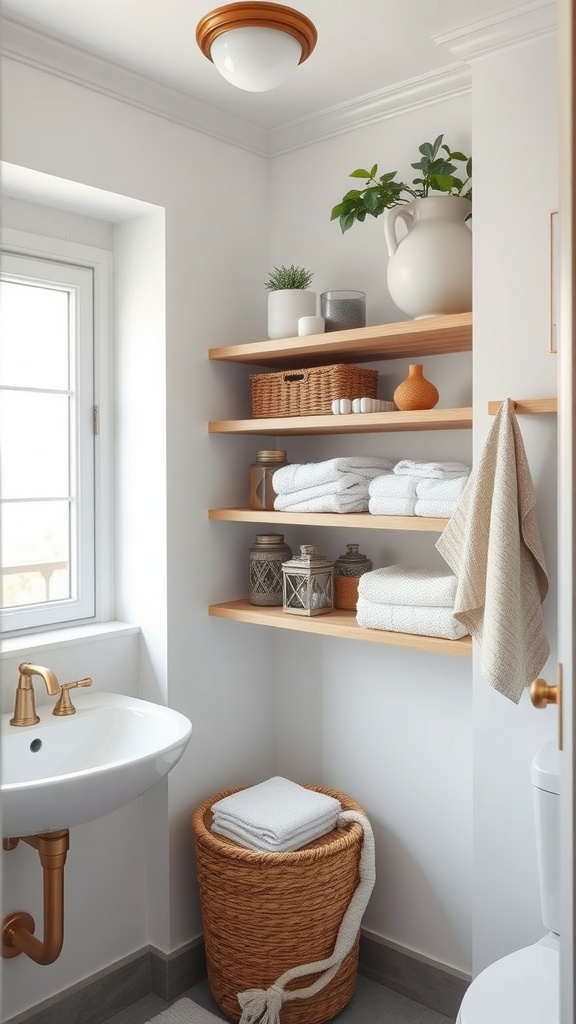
{"x":256,"y":15}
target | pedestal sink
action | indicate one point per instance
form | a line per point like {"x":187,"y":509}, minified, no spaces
{"x":67,"y":771}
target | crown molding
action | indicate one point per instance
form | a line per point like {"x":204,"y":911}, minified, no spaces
{"x":37,"y":50}
{"x":508,"y":28}
{"x":525,"y":21}
{"x":373,"y":107}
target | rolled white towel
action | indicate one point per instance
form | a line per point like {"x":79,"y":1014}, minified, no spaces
{"x":276,"y":814}
{"x":297,"y":476}
{"x":382,"y":506}
{"x":403,"y":585}
{"x":349,"y":501}
{"x":432,"y":470}
{"x":435,"y":509}
{"x":424,"y":621}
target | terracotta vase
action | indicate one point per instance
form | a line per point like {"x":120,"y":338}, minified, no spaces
{"x":415,"y":392}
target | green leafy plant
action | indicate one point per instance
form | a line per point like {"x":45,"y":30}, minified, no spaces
{"x":439,"y":172}
{"x":288,"y":277}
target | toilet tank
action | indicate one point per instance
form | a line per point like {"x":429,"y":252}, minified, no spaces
{"x":545,"y":777}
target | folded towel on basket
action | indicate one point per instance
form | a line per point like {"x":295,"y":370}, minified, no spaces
{"x":297,"y":476}
{"x":275,"y":816}
{"x":425,"y":620}
{"x":493,"y":546}
{"x":431,"y":470}
{"x":402,"y":585}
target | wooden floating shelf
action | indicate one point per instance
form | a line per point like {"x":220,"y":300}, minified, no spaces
{"x":349,"y":520}
{"x":438,"y":335}
{"x":355,"y":423}
{"x":524,"y":406}
{"x":337,"y":623}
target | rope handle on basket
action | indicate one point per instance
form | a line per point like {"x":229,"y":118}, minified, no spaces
{"x":294,"y":376}
{"x":262,"y":1006}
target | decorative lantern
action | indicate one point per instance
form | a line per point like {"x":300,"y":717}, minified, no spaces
{"x":308,"y":583}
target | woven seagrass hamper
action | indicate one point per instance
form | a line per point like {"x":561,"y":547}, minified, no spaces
{"x":264,"y":913}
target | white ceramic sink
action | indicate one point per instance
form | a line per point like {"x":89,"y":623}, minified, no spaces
{"x":66,"y":771}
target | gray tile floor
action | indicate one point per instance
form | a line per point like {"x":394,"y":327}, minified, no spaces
{"x":371,"y":1004}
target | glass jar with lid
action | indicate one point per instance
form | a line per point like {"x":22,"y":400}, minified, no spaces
{"x":262,"y":493}
{"x":348,"y":569}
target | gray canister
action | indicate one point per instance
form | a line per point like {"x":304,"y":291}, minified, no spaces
{"x":266,"y":557}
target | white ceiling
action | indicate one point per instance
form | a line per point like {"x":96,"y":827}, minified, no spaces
{"x":364,"y":46}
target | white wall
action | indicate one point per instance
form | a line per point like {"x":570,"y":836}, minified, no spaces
{"x":516,"y":187}
{"x":440,"y":761}
{"x":398,"y":730}
{"x":212,"y":672}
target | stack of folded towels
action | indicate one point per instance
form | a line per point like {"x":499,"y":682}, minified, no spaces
{"x":406,"y":600}
{"x":275,"y":816}
{"x":337,"y":485}
{"x":418,"y":489}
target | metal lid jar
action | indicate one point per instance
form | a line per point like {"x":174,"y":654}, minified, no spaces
{"x":262,"y":493}
{"x":265,"y":568}
{"x":348,"y":569}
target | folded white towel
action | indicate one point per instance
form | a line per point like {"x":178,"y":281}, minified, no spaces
{"x":433,"y":470}
{"x":392,"y":495}
{"x":403,"y":585}
{"x":435,"y":509}
{"x":254,"y":841}
{"x":349,"y":483}
{"x":427,"y":621}
{"x":277,"y":814}
{"x":348,"y":501}
{"x":493,"y":545}
{"x":389,"y":486}
{"x":441,"y":490}
{"x":296,"y":477}
{"x":381,"y":506}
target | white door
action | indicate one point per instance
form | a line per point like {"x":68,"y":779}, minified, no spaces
{"x":566,"y":505}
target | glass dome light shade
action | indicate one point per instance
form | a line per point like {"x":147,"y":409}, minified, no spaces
{"x":256,"y":59}
{"x":256,"y":46}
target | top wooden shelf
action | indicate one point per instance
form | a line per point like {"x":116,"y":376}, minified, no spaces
{"x":431,"y":336}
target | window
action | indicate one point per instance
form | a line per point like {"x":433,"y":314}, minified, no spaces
{"x":48,"y":415}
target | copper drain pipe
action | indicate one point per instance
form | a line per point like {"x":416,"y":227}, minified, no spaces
{"x":18,"y":927}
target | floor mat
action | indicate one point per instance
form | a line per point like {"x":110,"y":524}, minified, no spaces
{"x":184,"y":1011}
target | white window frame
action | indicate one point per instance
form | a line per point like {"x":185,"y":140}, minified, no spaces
{"x":66,"y":613}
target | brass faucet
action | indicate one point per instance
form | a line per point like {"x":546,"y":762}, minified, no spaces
{"x":25,"y":705}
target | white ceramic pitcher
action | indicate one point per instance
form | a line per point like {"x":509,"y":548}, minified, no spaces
{"x":430,"y":268}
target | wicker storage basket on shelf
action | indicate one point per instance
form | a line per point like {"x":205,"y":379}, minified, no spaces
{"x":309,"y":392}
{"x":264,"y":913}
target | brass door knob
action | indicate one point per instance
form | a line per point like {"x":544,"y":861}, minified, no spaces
{"x":541,"y":694}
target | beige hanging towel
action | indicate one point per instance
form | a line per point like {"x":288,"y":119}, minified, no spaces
{"x":492,"y":544}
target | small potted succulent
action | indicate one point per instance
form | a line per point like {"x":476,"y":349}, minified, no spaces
{"x":289,"y":298}
{"x":430,"y":268}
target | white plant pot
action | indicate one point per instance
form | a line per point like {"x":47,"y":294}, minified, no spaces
{"x":285,"y":307}
{"x":430,"y":268}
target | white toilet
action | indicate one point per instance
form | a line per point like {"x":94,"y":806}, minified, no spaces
{"x":523,"y":988}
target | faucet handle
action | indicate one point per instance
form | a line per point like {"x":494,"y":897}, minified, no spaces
{"x":64,"y":705}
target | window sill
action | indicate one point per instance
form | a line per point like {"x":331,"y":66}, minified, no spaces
{"x":66,"y":637}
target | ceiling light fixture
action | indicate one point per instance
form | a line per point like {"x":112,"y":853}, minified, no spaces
{"x":256,"y":46}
